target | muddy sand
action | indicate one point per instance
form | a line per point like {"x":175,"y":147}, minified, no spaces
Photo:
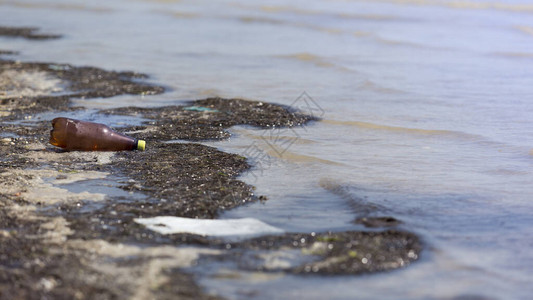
{"x":60,"y":242}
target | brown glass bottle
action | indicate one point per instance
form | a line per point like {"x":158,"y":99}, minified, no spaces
{"x":73,"y":134}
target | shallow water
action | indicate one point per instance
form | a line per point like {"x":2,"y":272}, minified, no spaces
{"x":426,"y":117}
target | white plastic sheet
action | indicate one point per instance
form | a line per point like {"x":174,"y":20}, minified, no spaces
{"x":228,"y":228}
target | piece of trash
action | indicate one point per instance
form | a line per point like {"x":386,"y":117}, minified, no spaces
{"x":200,"y":108}
{"x":57,"y":67}
{"x":73,"y":134}
{"x":236,"y":228}
{"x":378,"y":221}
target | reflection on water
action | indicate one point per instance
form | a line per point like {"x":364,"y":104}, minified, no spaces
{"x":427,"y":118}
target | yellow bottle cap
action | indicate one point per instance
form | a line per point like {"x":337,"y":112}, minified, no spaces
{"x":141,"y":144}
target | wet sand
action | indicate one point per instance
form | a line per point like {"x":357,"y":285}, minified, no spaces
{"x":64,"y":244}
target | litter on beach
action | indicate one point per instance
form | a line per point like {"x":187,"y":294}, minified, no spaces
{"x":237,"y":228}
{"x":200,"y":108}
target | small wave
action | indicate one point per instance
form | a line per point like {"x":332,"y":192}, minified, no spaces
{"x":178,"y":14}
{"x":525,"y":29}
{"x":295,"y":157}
{"x":247,"y":19}
{"x":307,"y":57}
{"x":184,"y":15}
{"x":391,"y":42}
{"x":56,"y":6}
{"x":515,"y":54}
{"x":271,"y":9}
{"x":408,"y":130}
{"x":314,"y":59}
{"x":343,"y":15}
{"x":270,"y":21}
{"x":369,"y":85}
{"x":471,"y":5}
{"x":360,"y":33}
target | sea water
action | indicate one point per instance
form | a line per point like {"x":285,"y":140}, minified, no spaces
{"x":426,"y":115}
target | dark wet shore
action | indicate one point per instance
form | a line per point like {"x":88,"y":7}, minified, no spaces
{"x":64,"y":244}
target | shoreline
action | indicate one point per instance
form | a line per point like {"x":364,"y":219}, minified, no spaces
{"x":82,"y":244}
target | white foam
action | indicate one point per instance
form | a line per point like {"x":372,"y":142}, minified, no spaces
{"x":228,"y":228}
{"x":17,"y":84}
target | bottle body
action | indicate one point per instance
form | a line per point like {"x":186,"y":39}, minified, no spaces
{"x":73,"y":134}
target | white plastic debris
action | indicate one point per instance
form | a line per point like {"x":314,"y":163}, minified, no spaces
{"x":228,"y":228}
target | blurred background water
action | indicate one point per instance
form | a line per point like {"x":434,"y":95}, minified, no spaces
{"x":427,"y":115}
